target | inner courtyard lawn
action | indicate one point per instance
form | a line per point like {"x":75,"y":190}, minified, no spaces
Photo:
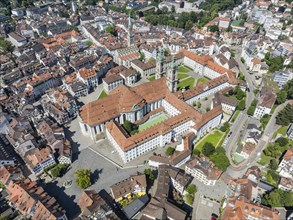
{"x":182,"y":76}
{"x":213,"y":138}
{"x":152,"y":78}
{"x":153,"y":121}
{"x":186,"y":83}
{"x":103,"y":94}
{"x":202,"y":80}
{"x":183,"y":69}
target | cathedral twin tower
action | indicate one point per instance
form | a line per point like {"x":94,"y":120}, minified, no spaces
{"x":167,"y":69}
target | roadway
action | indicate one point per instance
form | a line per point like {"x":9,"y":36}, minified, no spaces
{"x":240,"y":122}
{"x":270,"y":129}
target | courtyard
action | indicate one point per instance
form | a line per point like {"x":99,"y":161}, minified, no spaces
{"x":153,"y":121}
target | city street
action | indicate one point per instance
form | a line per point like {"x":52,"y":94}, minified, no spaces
{"x":242,"y":118}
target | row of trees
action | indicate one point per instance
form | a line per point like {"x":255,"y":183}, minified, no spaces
{"x":285,"y":116}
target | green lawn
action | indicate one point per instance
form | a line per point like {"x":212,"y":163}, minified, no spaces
{"x":235,"y":115}
{"x":282,"y":131}
{"x":152,"y":78}
{"x":202,"y":80}
{"x":273,"y":108}
{"x":238,"y":158}
{"x":270,"y":83}
{"x":182,"y":75}
{"x":264,"y":160}
{"x":186,"y":83}
{"x":152,"y":122}
{"x":183,"y":69}
{"x":213,"y":138}
{"x":103,"y":94}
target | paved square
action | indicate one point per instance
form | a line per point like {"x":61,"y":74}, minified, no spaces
{"x":205,"y":209}
{"x":104,"y":175}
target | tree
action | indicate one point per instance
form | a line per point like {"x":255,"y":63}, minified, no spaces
{"x":188,"y":25}
{"x":281,"y":97}
{"x":251,"y":110}
{"x":83,"y":178}
{"x":278,"y":198}
{"x":173,"y":9}
{"x":273,"y":150}
{"x":89,"y":43}
{"x":191,"y":189}
{"x":189,"y":199}
{"x":142,"y":56}
{"x":220,"y":150}
{"x":214,"y":28}
{"x":165,"y":10}
{"x":254,"y":102}
{"x":282,"y":141}
{"x":64,"y":14}
{"x":221,"y":161}
{"x":127,"y":126}
{"x":240,"y":94}
{"x":196,"y":152}
{"x":198,"y":104}
{"x":170,"y":151}
{"x":208,"y":149}
{"x":265,"y":120}
{"x":149,"y":174}
{"x":287,"y":91}
{"x":273,"y":164}
{"x":275,"y":63}
{"x":285,"y":116}
{"x":111,"y":30}
{"x":225,"y":127}
{"x":241,"y":105}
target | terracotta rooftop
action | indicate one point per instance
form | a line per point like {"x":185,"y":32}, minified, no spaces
{"x":241,"y":209}
{"x":8,"y":172}
{"x":87,"y":73}
{"x":288,"y":155}
{"x":122,"y":99}
{"x":201,"y":88}
{"x":28,"y":197}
